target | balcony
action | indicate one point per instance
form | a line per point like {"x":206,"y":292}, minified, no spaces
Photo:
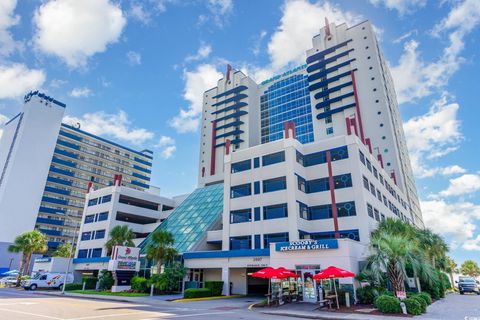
{"x":214,"y":236}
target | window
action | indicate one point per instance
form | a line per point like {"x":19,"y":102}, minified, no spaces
{"x":329,"y":130}
{"x":258,"y":243}
{"x":342,"y":181}
{"x":328,"y":119}
{"x":320,"y":212}
{"x":256,"y":162}
{"x":92,"y":202}
{"x":100,"y":234}
{"x":275,"y":212}
{"x":273,"y":158}
{"x":348,"y":234}
{"x":102,"y":216}
{"x":276,"y":184}
{"x":303,"y":210}
{"x":370,"y":210}
{"x":241,"y":166}
{"x":381,"y":179}
{"x":90,"y":218}
{"x":242,"y":242}
{"x":239,"y":216}
{"x":317,"y":185}
{"x":377,"y":215}
{"x":362,"y":157}
{"x":96,"y":253}
{"x":86,"y":236}
{"x":107,"y":198}
{"x":240,"y":191}
{"x":372,"y":189}
{"x":375,"y":172}
{"x":301,"y":184}
{"x":379,"y":195}
{"x":346,"y":209}
{"x":274,"y":237}
{"x":257,"y":213}
{"x":369,"y":166}
{"x":83,"y":253}
{"x":256,"y":187}
{"x":383,"y":217}
{"x":339,"y":153}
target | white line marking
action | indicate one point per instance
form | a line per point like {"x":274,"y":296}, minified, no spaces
{"x":199,"y":314}
{"x":17,"y":303}
{"x":31,"y":314}
{"x":109,"y":315}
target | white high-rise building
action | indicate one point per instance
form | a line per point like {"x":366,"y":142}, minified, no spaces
{"x":310,"y":161}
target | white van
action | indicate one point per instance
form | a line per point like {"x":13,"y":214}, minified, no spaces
{"x":47,"y":280}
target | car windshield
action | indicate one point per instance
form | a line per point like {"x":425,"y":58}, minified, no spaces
{"x":467,"y":281}
{"x":38,"y":275}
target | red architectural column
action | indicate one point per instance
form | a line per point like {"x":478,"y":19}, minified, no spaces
{"x":213,"y":149}
{"x":227,"y":146}
{"x":357,"y":106}
{"x":332,"y":195}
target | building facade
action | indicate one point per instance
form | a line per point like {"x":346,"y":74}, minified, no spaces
{"x":46,"y":167}
{"x":106,"y":208}
{"x":308,"y":177}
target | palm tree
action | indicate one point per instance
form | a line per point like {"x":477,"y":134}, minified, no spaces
{"x":64,"y":250}
{"x":432,"y":244}
{"x":450,"y":269}
{"x":120,"y":236}
{"x":28,"y":243}
{"x":161,"y":248}
{"x":392,"y":253}
{"x":395,"y":227}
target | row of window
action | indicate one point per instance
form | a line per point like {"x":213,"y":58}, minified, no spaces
{"x":383,"y":181}
{"x":102,"y":216}
{"x":93,"y":235}
{"x":344,"y":234}
{"x":269,"y":212}
{"x":374,"y":213}
{"x":269,"y":185}
{"x":90,"y":253}
{"x":376,"y":193}
{"x":267,"y":160}
{"x":312,"y":159}
{"x":344,"y":209}
{"x":95,"y":201}
{"x":323,"y":184}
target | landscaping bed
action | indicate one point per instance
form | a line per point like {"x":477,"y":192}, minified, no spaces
{"x":108,"y":293}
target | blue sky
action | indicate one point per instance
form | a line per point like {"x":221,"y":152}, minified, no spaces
{"x":134,"y":71}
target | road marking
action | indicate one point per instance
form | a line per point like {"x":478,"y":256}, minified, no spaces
{"x":112,"y":315}
{"x":199,"y":314}
{"x":17,"y":303}
{"x":31,"y":314}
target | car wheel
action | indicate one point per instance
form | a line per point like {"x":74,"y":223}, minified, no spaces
{"x":461,"y":292}
{"x":60,"y":287}
{"x":33,"y":287}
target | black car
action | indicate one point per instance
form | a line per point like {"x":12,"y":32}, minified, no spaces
{"x":468,"y":285}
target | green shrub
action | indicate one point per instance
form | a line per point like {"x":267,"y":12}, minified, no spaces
{"x":73,"y":286}
{"x":367,"y":294}
{"x":446,"y":281}
{"x":215,"y":286}
{"x":425,"y":296}
{"x":90,"y":282}
{"x":197,"y":293}
{"x":422,"y":302}
{"x":413,"y":306}
{"x":139,"y":284}
{"x":159,"y":281}
{"x":388,"y":304}
{"x":105,"y":280}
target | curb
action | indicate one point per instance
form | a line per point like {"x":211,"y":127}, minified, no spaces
{"x":292,"y":315}
{"x":81,"y":296}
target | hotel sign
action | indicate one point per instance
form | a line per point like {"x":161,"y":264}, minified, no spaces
{"x":306,"y":244}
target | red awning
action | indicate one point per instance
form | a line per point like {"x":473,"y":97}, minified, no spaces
{"x":333,"y":272}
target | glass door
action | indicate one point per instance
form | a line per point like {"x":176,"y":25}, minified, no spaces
{"x":309,"y":286}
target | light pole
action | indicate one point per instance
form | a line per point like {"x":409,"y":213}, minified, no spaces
{"x":70,"y":256}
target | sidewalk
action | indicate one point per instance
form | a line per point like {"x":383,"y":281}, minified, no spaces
{"x":145,"y":300}
{"x":307,"y":311}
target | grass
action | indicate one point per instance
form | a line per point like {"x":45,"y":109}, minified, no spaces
{"x":209,"y":298}
{"x":108,"y":293}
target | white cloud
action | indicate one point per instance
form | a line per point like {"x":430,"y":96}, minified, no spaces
{"x":134,"y":58}
{"x":144,"y":10}
{"x":472,"y":244}
{"x":80,"y":92}
{"x":402,"y":6}
{"x":415,"y":78}
{"x":76,"y":30}
{"x":203,"y":52}
{"x":456,"y":219}
{"x":204,"y":77}
{"x":258,"y":42}
{"x":463,"y":185}
{"x":16,"y":80}
{"x":3,"y":120}
{"x":7,"y":20}
{"x":220,"y":10}
{"x":433,"y":135}
{"x":113,"y":125}
{"x":57,"y":83}
{"x":167,"y":147}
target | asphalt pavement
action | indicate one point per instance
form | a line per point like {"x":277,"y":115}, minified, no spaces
{"x":24,"y":305}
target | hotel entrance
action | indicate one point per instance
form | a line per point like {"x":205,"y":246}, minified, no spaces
{"x":306,"y":285}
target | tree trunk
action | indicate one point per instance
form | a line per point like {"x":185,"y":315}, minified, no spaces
{"x":396,"y":277}
{"x":27,"y":265}
{"x":451,"y":279}
{"x":159,"y":266}
{"x":21,"y":269}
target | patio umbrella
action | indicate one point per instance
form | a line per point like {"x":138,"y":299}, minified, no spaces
{"x":10,"y":273}
{"x":334,"y":273}
{"x":271,"y":273}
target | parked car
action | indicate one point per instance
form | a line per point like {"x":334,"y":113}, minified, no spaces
{"x":8,"y":281}
{"x":47,"y":280}
{"x":467,"y":284}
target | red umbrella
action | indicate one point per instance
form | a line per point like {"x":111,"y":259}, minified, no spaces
{"x":272,"y":273}
{"x":287,"y":273}
{"x":332,"y":273}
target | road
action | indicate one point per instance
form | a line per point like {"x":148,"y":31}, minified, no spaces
{"x":453,"y":307}
{"x":24,"y":305}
